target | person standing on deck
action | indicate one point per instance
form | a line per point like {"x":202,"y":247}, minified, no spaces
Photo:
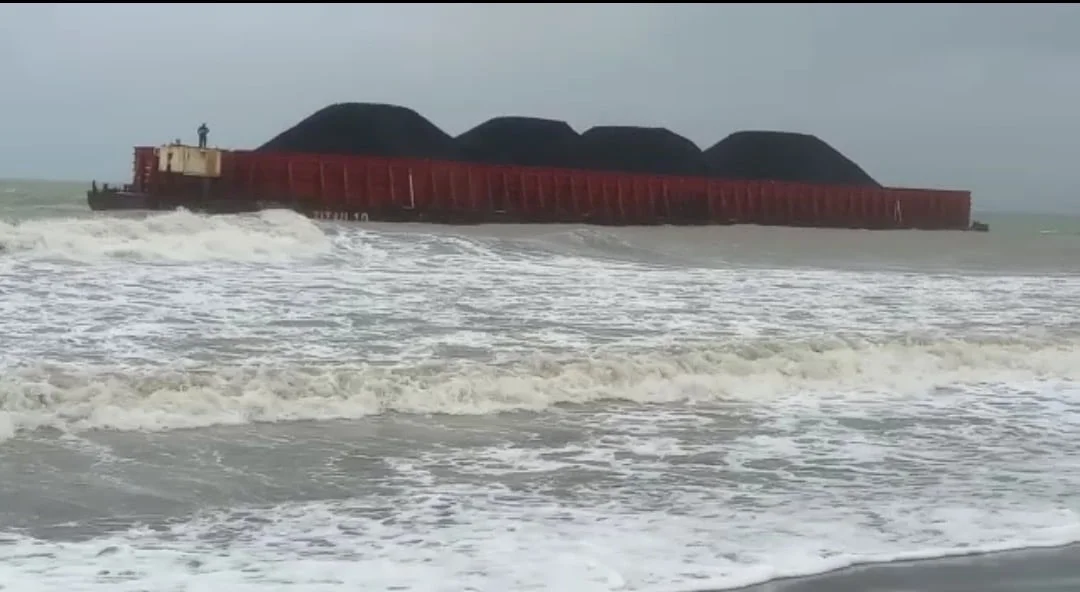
{"x":203,"y":132}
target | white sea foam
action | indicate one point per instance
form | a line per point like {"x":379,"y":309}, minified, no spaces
{"x":438,"y":536}
{"x":277,"y":287}
{"x":429,"y":547}
{"x":180,"y":321}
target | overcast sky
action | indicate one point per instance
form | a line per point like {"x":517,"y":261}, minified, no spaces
{"x":983,"y":97}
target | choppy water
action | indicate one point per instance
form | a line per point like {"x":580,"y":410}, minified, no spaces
{"x":264,"y":402}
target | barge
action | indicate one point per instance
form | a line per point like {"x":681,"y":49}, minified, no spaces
{"x":367,"y":188}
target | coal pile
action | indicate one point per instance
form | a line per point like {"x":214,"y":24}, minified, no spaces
{"x":783,"y":156}
{"x":640,"y":150}
{"x":374,"y":129}
{"x":368,"y":129}
{"x":522,"y":141}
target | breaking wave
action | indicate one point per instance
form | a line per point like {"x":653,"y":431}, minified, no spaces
{"x":73,"y":398}
{"x":174,"y":236}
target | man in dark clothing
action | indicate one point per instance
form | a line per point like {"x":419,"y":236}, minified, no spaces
{"x":203,"y":132}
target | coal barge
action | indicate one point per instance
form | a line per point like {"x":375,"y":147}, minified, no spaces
{"x":369,"y":162}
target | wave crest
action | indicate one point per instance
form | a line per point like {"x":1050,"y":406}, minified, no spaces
{"x":78,"y":398}
{"x":174,"y":236}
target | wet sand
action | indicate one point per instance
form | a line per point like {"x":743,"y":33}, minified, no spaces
{"x":1041,"y":570}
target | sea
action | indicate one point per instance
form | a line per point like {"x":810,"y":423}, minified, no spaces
{"x":264,"y":402}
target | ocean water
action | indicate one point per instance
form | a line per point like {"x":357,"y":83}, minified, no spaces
{"x":265,"y":402}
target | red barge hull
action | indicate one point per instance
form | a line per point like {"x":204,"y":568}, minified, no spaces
{"x":403,"y":190}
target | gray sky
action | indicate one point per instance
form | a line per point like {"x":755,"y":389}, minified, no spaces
{"x":982,"y":97}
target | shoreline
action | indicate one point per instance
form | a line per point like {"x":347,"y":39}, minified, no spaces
{"x":1047,"y":569}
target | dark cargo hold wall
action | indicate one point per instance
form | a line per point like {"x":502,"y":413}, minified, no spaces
{"x":640,"y":150}
{"x":783,"y":156}
{"x":366,"y":129}
{"x":422,"y":190}
{"x":522,"y":141}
